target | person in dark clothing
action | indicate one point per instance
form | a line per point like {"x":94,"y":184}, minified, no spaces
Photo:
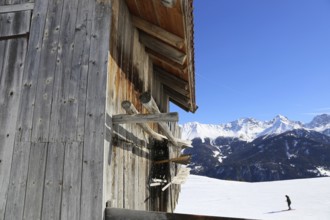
{"x":288,"y":201}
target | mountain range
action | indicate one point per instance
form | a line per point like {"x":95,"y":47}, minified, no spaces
{"x":252,"y":150}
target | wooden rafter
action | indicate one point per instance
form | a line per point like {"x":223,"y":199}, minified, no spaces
{"x":162,"y":48}
{"x":172,"y":81}
{"x":166,"y":63}
{"x":177,"y":96}
{"x":158,"y":32}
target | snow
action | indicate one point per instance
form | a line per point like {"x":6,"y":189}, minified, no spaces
{"x":323,"y":171}
{"x":265,"y":200}
{"x":287,"y":151}
{"x":248,"y":129}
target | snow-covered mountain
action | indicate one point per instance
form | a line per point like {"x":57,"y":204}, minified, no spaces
{"x":251,"y":150}
{"x":319,"y":123}
{"x":248,"y":129}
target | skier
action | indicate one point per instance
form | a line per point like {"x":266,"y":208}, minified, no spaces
{"x":288,"y":201}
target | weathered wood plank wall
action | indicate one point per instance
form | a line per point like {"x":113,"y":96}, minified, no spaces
{"x":131,"y":71}
{"x":64,"y":72}
{"x":53,"y":74}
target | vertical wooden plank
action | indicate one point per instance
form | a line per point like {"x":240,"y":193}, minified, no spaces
{"x":3,"y":44}
{"x":30,"y":74}
{"x":134,"y":179}
{"x":142,"y":163}
{"x":35,"y":182}
{"x":137,"y":189}
{"x":18,"y":180}
{"x":113,"y":92}
{"x":10,"y":83}
{"x":131,"y":180}
{"x":49,"y":50}
{"x":51,"y":207}
{"x":70,"y":207}
{"x":127,"y":180}
{"x":115,"y":183}
{"x":107,"y":166}
{"x":120,"y":177}
{"x":92,"y":176}
{"x":80,"y":61}
{"x":65,"y":100}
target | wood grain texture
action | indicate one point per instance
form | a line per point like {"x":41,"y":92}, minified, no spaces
{"x":16,"y":7}
{"x":18,"y":181}
{"x":163,"y":49}
{"x":145,"y":118}
{"x":14,"y":23}
{"x":64,"y":109}
{"x":10,"y":84}
{"x":158,"y":32}
{"x":35,"y":181}
{"x":93,"y":153}
{"x":52,"y":192}
{"x":31,"y":73}
{"x":71,"y":195}
{"x":45,"y":82}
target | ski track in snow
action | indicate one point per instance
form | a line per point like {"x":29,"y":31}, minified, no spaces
{"x":265,"y":200}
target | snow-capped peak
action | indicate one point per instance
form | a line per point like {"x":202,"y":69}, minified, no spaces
{"x":280,"y":124}
{"x":192,"y":130}
{"x":248,"y":128}
{"x":319,"y":122}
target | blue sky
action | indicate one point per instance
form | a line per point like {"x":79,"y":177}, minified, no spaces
{"x":261,"y":58}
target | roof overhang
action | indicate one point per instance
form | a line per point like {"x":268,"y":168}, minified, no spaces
{"x":166,"y":30}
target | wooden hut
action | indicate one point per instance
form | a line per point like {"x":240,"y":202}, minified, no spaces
{"x":85,"y":87}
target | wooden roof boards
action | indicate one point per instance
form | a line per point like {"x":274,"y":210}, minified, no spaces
{"x":167,"y":34}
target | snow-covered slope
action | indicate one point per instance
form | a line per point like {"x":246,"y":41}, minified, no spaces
{"x":310,"y":198}
{"x":319,"y":123}
{"x":248,"y":129}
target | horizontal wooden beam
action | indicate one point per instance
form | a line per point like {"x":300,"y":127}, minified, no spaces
{"x":184,"y":159}
{"x":130,"y":109}
{"x":158,"y":32}
{"x":145,"y":118}
{"x":16,"y":7}
{"x":162,"y":48}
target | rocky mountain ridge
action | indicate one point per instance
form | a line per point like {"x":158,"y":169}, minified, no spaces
{"x":248,"y":129}
{"x":262,"y":151}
